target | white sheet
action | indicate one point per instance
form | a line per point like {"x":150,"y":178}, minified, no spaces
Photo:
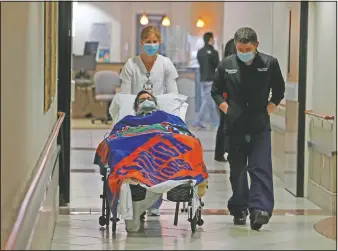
{"x":172,"y":103}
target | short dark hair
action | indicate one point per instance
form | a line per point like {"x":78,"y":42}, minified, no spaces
{"x":139,"y":94}
{"x":230,"y":48}
{"x":245,"y":35}
{"x":207,"y":36}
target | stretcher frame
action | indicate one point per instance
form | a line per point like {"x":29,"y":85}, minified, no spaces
{"x":195,"y":220}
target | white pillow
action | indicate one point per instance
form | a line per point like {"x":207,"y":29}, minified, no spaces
{"x":122,"y":105}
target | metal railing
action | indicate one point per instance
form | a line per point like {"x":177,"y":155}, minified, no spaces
{"x":42,"y":164}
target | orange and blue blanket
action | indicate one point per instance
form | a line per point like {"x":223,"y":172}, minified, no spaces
{"x":151,"y":149}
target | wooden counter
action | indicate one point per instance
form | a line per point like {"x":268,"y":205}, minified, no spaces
{"x":109,"y":67}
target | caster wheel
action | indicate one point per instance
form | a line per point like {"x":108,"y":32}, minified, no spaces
{"x":200,"y":222}
{"x":102,"y":221}
{"x":182,"y":210}
{"x":193,"y":224}
{"x":113,"y":227}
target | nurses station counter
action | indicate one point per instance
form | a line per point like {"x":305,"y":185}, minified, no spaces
{"x":84,"y":102}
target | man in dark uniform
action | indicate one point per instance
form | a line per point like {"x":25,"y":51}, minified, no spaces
{"x":208,"y":60}
{"x":220,"y":150}
{"x":241,"y":90}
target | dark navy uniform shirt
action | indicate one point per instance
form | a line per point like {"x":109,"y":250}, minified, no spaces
{"x":208,"y":60}
{"x":247,"y":88}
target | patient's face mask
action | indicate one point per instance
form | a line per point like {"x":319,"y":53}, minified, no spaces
{"x":146,"y":106}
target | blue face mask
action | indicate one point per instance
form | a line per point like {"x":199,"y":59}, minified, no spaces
{"x":151,"y":49}
{"x":246,"y":57}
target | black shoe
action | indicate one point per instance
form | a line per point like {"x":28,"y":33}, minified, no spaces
{"x":220,"y":159}
{"x":240,"y":219}
{"x":258,"y":218}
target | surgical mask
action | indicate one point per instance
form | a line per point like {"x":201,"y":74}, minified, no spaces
{"x":246,"y":57}
{"x":146,"y":106}
{"x":151,"y":49}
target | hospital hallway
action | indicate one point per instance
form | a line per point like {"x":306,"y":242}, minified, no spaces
{"x":297,"y":223}
{"x":71,"y":71}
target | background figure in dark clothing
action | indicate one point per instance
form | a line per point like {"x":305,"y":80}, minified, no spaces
{"x":208,"y":60}
{"x":220,"y":150}
{"x":242,"y":91}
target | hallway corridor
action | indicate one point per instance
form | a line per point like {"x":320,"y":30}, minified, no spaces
{"x":291,"y":227}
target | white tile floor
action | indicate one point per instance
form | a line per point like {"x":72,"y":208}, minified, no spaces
{"x":75,"y":232}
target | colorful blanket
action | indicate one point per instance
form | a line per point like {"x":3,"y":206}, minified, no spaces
{"x":151,"y":149}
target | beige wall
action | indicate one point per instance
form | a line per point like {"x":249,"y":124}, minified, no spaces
{"x":321,"y":98}
{"x":212,"y":14}
{"x":24,"y":125}
{"x":122,"y":16}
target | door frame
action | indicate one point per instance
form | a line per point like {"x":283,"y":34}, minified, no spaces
{"x":64,"y":95}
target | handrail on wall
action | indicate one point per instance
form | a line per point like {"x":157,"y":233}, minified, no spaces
{"x":42,"y":165}
{"x":318,"y":115}
{"x":312,"y":113}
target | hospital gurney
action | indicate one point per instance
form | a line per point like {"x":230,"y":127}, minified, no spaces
{"x":180,"y":194}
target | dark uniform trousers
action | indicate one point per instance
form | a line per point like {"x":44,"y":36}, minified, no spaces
{"x":220,"y":145}
{"x":253,"y":157}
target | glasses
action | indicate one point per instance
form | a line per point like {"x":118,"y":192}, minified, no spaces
{"x":141,"y":100}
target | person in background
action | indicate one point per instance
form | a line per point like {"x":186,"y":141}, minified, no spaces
{"x":241,"y":90}
{"x":220,"y":150}
{"x":208,"y":60}
{"x":149,"y":71}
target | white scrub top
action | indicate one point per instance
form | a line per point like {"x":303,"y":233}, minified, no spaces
{"x":162,"y":76}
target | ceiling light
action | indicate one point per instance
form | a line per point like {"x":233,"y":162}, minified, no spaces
{"x":200,"y":23}
{"x":166,"y":21}
{"x":144,"y":19}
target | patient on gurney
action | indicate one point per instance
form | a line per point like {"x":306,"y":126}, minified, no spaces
{"x":154,"y":149}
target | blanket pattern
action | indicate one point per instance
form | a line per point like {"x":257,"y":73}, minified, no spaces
{"x":151,"y":149}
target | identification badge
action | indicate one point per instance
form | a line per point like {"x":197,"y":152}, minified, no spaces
{"x":148,"y":86}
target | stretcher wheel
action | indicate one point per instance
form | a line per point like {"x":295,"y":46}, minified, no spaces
{"x":200,"y":222}
{"x":193,"y":221}
{"x":102,"y":221}
{"x":193,"y":224}
{"x":113,"y":228}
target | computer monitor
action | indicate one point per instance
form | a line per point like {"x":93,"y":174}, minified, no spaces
{"x":84,"y":62}
{"x":91,"y":48}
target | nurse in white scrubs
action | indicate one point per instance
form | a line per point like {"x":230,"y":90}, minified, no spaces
{"x":149,"y":71}
{"x":152,"y":72}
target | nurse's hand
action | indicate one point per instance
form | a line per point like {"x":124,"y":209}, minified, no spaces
{"x":271,"y":108}
{"x":224,"y":107}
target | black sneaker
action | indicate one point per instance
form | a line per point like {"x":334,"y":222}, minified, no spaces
{"x":258,"y":218}
{"x":220,"y":159}
{"x":240,"y":219}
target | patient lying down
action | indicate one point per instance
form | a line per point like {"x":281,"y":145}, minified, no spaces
{"x":155,"y":149}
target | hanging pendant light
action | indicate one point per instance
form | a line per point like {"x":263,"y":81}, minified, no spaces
{"x":200,"y":23}
{"x":166,"y":21}
{"x":144,"y":20}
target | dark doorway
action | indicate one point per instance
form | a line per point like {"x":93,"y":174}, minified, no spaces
{"x":64,"y":96}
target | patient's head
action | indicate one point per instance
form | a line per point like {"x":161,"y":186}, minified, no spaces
{"x":145,"y":103}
